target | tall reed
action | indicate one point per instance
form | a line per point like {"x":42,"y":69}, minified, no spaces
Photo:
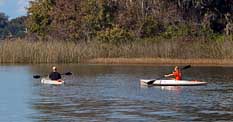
{"x":22,"y":51}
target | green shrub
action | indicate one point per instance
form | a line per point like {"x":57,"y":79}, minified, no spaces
{"x":114,"y":35}
{"x":173,"y":31}
{"x":151,"y":27}
{"x":216,"y":37}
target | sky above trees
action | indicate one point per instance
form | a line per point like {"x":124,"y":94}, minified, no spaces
{"x":13,"y":8}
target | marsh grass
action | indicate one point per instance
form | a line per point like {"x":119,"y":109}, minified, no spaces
{"x":162,"y":61}
{"x":22,"y":51}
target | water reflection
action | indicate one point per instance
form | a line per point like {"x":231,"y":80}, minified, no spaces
{"x":113,"y":93}
{"x":172,"y":88}
{"x":15,"y":92}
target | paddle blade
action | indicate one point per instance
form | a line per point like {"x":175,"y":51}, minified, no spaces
{"x":68,"y":73}
{"x":36,"y":76}
{"x":186,"y":67}
{"x":153,"y":80}
{"x":150,"y":82}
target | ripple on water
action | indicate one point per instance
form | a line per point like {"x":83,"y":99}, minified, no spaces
{"x":113,"y":93}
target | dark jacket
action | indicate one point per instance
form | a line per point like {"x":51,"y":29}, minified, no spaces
{"x":55,"y":76}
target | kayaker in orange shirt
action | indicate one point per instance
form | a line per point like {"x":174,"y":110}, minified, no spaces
{"x":177,"y":74}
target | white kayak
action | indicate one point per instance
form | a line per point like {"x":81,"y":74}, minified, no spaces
{"x":172,"y":82}
{"x":55,"y":82}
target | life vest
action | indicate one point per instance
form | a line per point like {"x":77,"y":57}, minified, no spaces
{"x":177,"y":75}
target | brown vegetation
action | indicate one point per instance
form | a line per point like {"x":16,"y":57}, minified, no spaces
{"x":20,"y":51}
{"x":162,"y":61}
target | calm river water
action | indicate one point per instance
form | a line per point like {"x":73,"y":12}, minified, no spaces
{"x":101,"y":93}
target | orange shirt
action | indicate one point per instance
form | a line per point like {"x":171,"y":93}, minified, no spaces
{"x":177,"y":75}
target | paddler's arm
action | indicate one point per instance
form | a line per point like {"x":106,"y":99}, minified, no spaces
{"x":168,"y":75}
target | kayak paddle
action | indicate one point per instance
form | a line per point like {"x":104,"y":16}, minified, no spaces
{"x":153,"y":80}
{"x":38,"y":76}
{"x":68,"y":73}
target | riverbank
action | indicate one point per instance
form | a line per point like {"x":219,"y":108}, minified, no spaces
{"x":163,"y":61}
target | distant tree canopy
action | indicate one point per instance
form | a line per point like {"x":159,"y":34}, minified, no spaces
{"x":3,"y":25}
{"x":86,"y":19}
{"x":11,"y":28}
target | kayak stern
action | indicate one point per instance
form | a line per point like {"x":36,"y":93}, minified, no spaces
{"x":55,"y":82}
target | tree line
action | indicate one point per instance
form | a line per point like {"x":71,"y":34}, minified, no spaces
{"x":12,"y":28}
{"x":125,"y":20}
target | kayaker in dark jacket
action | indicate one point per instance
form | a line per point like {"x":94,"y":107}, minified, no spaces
{"x":55,"y":75}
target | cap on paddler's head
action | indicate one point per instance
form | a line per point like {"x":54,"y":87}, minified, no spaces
{"x":54,"y":68}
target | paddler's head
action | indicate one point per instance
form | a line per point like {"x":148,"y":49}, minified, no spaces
{"x":54,"y":69}
{"x":176,"y":68}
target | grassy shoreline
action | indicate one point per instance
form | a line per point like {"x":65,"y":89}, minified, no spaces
{"x":157,"y":52}
{"x":163,"y":61}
